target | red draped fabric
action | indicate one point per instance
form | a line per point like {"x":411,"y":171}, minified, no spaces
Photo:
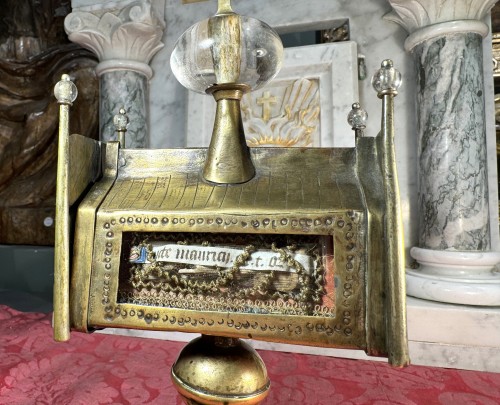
{"x":107,"y":369}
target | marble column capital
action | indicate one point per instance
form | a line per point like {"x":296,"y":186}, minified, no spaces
{"x":427,"y":19}
{"x":123,"y":39}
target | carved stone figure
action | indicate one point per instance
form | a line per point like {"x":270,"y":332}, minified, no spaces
{"x":34,"y":52}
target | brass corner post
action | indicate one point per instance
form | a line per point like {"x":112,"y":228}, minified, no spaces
{"x":65,"y":92}
{"x":228,"y":157}
{"x":121,"y":121}
{"x":395,"y":276}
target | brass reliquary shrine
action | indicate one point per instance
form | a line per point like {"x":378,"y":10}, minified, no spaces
{"x":294,"y":245}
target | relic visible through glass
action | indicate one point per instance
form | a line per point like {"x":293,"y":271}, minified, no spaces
{"x":264,"y":273}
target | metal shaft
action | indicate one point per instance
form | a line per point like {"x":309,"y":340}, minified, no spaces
{"x":395,"y":275}
{"x":61,"y":248}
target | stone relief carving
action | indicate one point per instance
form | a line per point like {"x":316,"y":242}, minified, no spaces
{"x":286,"y":115}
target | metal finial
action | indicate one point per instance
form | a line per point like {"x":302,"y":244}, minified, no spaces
{"x":224,"y":7}
{"x":121,"y":121}
{"x":357,"y":118}
{"x":387,"y":80}
{"x":65,"y":90}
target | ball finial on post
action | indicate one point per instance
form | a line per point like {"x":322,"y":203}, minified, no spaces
{"x":357,"y":118}
{"x":121,"y":121}
{"x":65,"y":90}
{"x":387,"y":79}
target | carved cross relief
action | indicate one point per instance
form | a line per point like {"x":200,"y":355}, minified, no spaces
{"x":285,"y":114}
{"x":266,"y":101}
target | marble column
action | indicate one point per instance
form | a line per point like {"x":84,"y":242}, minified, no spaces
{"x":455,"y":261}
{"x":124,"y":40}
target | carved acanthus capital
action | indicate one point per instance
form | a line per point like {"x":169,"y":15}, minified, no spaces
{"x":425,"y":19}
{"x":416,"y":14}
{"x":126,"y":39}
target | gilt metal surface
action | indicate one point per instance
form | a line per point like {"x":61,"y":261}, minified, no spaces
{"x":84,"y":165}
{"x":295,"y":192}
{"x":237,"y":373}
{"x":83,"y":247}
{"x":324,"y":193}
{"x":228,"y":160}
{"x":336,"y":209}
{"x":395,"y":260}
{"x":65,"y":92}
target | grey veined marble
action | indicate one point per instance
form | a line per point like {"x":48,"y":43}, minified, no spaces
{"x":124,"y":88}
{"x":453,"y":188}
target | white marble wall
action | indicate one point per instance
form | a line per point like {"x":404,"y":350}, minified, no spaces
{"x":491,"y":141}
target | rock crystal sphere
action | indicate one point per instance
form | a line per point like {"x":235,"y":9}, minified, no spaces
{"x":357,"y":117}
{"x":227,"y":48}
{"x":386,"y":78}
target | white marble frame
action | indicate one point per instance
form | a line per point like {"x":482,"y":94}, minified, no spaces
{"x":334,"y":65}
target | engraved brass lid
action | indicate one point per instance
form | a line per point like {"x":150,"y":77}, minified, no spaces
{"x":288,"y":180}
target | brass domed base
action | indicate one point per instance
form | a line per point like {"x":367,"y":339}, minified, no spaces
{"x":214,"y":370}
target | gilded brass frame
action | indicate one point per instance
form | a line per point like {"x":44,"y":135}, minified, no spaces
{"x":349,"y":194}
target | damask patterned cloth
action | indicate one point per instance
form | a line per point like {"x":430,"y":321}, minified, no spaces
{"x":107,"y":369}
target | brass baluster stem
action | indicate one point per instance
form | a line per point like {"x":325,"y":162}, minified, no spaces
{"x":228,"y":157}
